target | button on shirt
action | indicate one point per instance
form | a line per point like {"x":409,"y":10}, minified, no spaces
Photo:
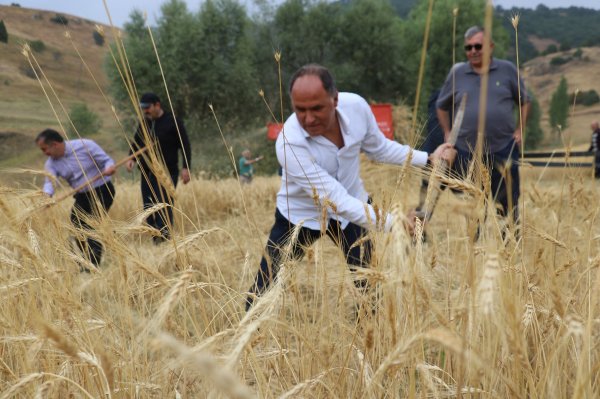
{"x":316,"y":173}
{"x":83,"y":160}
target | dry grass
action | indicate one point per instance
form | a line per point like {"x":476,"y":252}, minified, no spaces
{"x":481,"y":319}
{"x":495,"y":317}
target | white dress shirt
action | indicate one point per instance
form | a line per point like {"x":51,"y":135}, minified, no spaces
{"x":316,"y":174}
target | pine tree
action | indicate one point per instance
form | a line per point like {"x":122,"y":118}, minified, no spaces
{"x":3,"y":32}
{"x":559,"y":106}
{"x":533,"y":133}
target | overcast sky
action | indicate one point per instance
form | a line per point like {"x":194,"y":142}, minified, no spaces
{"x":120,"y":9}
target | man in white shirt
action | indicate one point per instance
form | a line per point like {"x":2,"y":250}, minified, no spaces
{"x":321,"y":189}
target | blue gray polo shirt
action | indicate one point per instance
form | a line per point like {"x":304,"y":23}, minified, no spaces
{"x":503,"y":99}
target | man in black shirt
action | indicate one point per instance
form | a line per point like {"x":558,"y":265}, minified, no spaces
{"x":164,"y":135}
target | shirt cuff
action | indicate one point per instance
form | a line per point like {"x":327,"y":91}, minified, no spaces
{"x":419,"y":158}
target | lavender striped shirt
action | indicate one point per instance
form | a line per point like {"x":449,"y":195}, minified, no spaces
{"x":83,"y":160}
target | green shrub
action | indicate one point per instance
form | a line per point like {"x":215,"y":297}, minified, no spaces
{"x":586,"y":98}
{"x":565,"y":47}
{"x":84,"y":121}
{"x":37,"y":46}
{"x":98,"y":38}
{"x":558,"y":60}
{"x":60,"y":19}
{"x":551,"y":49}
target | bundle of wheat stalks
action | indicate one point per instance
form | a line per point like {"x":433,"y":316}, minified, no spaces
{"x":494,"y":317}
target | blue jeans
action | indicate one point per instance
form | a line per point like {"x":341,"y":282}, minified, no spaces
{"x":359,"y":255}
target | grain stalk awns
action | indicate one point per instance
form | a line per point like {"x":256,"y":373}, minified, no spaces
{"x":207,"y":366}
{"x":456,"y":316}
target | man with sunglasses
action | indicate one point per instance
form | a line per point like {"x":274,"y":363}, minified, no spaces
{"x":502,"y":135}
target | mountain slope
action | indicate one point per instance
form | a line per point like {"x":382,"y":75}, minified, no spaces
{"x":582,"y":74}
{"x":24,"y":108}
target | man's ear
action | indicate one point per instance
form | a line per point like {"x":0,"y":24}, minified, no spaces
{"x":335,"y":99}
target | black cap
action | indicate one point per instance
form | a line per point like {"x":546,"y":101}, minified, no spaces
{"x":148,"y":99}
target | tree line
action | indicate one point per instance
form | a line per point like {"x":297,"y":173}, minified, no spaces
{"x":570,"y":27}
{"x":224,"y":57}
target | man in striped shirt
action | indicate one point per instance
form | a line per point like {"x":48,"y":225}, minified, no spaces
{"x":79,"y":162}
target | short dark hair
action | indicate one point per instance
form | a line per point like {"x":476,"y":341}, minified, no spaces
{"x":50,"y":136}
{"x":148,"y":99}
{"x":316,"y":70}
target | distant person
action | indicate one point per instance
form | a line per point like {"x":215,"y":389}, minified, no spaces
{"x":78,"y":162}
{"x":165,"y":136}
{"x":246,"y":166}
{"x":595,"y":147}
{"x":502,"y":134}
{"x":319,"y":151}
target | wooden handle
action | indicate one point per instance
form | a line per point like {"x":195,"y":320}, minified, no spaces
{"x":97,"y":177}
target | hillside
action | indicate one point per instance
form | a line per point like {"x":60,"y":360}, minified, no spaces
{"x":544,"y":27}
{"x":582,"y":74}
{"x":24,"y":108}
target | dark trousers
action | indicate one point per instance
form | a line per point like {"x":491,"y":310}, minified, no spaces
{"x":153,"y":193}
{"x":507,"y":196}
{"x":356,"y":256}
{"x":91,"y":204}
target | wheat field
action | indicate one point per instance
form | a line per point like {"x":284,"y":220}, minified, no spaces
{"x":455,"y":317}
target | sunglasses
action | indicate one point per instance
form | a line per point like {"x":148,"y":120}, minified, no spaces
{"x":476,"y":46}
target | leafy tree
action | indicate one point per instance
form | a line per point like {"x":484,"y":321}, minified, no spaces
{"x":533,"y":132}
{"x":301,"y":32}
{"x":368,"y":57}
{"x":3,"y":32}
{"x":568,"y":26}
{"x":403,"y":7}
{"x":84,"y":121}
{"x":140,"y":63}
{"x":225,"y":76}
{"x":559,"y":106}
{"x":173,"y":34}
